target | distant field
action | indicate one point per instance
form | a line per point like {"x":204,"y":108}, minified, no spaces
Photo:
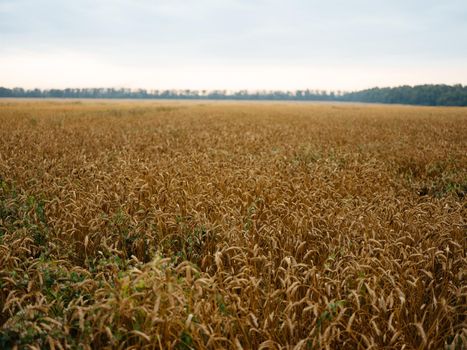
{"x":232,"y":225}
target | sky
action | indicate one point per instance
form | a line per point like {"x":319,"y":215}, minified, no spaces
{"x":232,"y":44}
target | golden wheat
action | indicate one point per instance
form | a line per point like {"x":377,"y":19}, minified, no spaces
{"x":228,"y":225}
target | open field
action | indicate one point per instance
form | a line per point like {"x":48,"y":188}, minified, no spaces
{"x":232,"y":225}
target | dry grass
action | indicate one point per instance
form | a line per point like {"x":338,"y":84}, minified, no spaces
{"x":232,"y":226}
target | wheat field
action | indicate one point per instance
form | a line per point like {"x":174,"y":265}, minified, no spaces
{"x":170,"y":225}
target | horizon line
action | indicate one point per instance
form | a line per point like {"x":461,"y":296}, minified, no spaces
{"x":248,"y":90}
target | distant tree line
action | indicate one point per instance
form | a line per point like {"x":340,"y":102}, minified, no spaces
{"x":317,"y":95}
{"x":429,"y":95}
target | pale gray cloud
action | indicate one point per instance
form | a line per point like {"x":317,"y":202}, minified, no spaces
{"x":141,"y":35}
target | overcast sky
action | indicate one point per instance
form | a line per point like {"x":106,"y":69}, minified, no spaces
{"x":228,"y":44}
